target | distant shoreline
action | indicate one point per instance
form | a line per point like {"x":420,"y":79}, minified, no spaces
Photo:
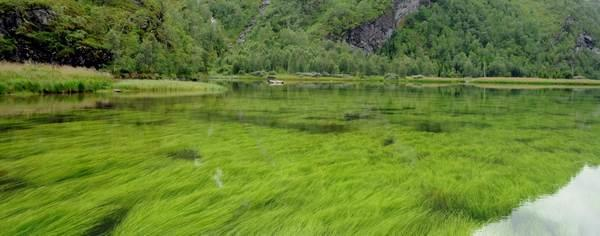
{"x":423,"y":80}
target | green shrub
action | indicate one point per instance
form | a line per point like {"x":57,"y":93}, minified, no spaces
{"x":184,"y":154}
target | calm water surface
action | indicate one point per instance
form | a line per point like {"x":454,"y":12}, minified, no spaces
{"x":573,"y":210}
{"x":327,"y":158}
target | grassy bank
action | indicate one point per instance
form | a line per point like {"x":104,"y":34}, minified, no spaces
{"x":535,"y":81}
{"x":166,"y":86}
{"x":49,"y":79}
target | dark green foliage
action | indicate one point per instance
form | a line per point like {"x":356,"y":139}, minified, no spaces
{"x":429,"y":126}
{"x":389,"y":141}
{"x":8,"y":183}
{"x":451,"y":38}
{"x":108,"y":224}
{"x":350,"y":116}
{"x":185,"y":154}
{"x":500,"y":38}
{"x":35,"y":30}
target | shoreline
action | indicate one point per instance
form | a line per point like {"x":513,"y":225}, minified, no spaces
{"x":482,"y":82}
{"x":42,"y":79}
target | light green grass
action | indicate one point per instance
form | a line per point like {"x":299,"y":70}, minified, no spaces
{"x":366,"y":160}
{"x":166,"y":86}
{"x":50,"y":79}
{"x":536,"y":81}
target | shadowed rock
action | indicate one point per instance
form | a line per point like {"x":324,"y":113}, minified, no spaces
{"x":586,"y":41}
{"x":372,"y":35}
{"x":261,"y":11}
{"x":41,"y":19}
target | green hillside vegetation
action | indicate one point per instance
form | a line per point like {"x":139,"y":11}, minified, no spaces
{"x":190,"y":38}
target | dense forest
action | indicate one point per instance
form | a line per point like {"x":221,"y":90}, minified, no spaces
{"x":187,"y":38}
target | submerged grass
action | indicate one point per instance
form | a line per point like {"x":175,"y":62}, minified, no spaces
{"x":261,"y":174}
{"x":50,"y":79}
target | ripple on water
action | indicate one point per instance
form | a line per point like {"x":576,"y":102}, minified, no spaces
{"x":573,"y":210}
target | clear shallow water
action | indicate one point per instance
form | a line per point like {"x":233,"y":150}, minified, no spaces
{"x":298,"y":159}
{"x":573,"y":210}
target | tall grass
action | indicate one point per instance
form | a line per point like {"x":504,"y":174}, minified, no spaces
{"x":534,"y":81}
{"x":50,"y":79}
{"x":167,"y":86}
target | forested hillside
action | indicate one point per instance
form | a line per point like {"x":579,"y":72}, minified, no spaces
{"x":184,"y":38}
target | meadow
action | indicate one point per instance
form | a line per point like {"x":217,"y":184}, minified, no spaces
{"x":295,"y":160}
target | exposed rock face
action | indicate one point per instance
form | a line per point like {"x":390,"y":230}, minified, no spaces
{"x":372,"y":35}
{"x":586,"y":41}
{"x":10,"y":21}
{"x":30,"y":34}
{"x":250,"y":26}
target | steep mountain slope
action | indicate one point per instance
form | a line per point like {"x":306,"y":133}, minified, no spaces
{"x":444,"y":38}
{"x":541,"y":38}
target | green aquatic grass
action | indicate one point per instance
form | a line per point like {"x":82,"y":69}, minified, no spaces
{"x":288,"y":161}
{"x":166,"y":86}
{"x":50,"y":79}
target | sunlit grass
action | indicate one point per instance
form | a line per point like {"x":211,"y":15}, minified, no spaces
{"x":50,"y":79}
{"x":166,"y":86}
{"x":534,"y":81}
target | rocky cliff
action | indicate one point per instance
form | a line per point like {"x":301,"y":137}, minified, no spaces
{"x":372,"y":35}
{"x":31,"y":33}
{"x":586,"y":41}
{"x":250,"y":26}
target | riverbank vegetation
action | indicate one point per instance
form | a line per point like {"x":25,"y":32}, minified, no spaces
{"x":417,"y":79}
{"x":166,"y":86}
{"x":50,"y":79}
{"x":535,"y":81}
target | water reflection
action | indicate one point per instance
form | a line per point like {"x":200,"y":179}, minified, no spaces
{"x":574,"y":210}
